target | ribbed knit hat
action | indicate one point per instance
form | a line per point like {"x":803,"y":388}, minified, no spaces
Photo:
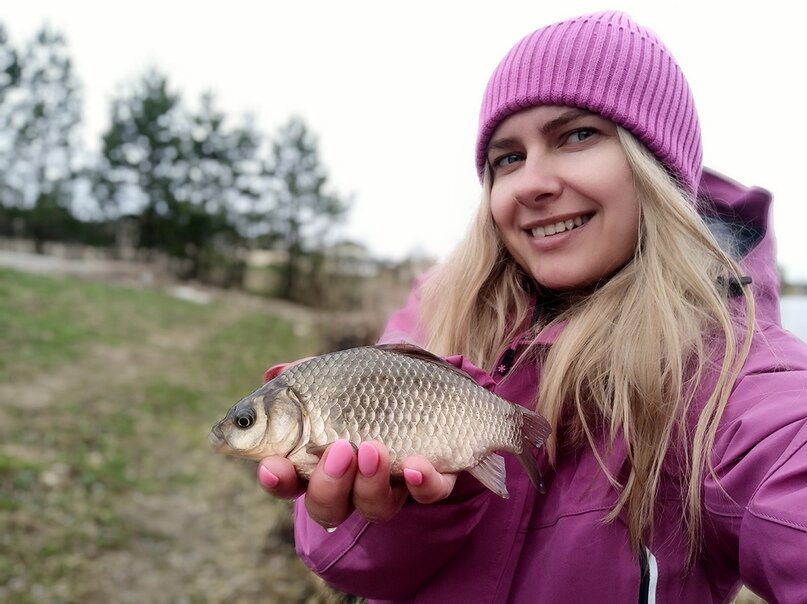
{"x":610,"y":65}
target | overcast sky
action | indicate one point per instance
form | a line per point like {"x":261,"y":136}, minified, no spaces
{"x":393,"y":89}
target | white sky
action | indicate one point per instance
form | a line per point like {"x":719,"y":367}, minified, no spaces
{"x":393,"y":89}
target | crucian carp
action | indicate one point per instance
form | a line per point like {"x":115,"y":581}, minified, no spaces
{"x":407,"y":398}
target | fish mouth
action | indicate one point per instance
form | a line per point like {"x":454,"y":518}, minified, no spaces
{"x":216,"y":439}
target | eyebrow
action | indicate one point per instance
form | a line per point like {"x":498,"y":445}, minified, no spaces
{"x":549,"y":127}
{"x":563,"y":119}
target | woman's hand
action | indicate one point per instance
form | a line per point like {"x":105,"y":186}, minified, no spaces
{"x":346,"y":479}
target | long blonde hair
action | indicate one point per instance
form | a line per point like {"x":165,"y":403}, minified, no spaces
{"x":634,"y":355}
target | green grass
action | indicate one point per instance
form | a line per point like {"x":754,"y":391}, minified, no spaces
{"x":115,"y":391}
{"x":45,"y":321}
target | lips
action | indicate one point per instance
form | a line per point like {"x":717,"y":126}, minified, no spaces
{"x":560,"y":226}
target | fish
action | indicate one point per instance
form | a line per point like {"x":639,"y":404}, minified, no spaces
{"x":401,"y":395}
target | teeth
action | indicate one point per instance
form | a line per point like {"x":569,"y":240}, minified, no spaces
{"x":558,"y":227}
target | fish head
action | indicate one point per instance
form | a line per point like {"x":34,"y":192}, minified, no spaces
{"x":267,"y":422}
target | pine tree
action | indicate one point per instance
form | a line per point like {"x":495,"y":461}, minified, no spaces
{"x":188,"y":179}
{"x":9,"y":79}
{"x":303,"y":208}
{"x":219,"y":168}
{"x":41,"y":115}
{"x":136,"y":175}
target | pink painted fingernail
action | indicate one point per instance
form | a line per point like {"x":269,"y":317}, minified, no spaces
{"x":339,"y":457}
{"x":413,"y":477}
{"x":368,"y":460}
{"x":266,"y":478}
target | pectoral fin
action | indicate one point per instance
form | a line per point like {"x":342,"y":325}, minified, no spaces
{"x":491,"y":473}
{"x":317,"y":450}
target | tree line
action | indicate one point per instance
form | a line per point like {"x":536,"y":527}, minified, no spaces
{"x":192,"y":184}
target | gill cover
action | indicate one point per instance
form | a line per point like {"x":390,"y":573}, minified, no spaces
{"x":286,"y":426}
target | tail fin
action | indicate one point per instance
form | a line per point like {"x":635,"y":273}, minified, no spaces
{"x":534,"y":431}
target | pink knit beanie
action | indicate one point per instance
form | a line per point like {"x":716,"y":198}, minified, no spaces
{"x":608,"y":64}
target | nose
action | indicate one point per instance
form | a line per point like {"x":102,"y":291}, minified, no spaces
{"x":538,"y":181}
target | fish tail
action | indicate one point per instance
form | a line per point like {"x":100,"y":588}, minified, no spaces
{"x":535,"y":429}
{"x":534,"y":432}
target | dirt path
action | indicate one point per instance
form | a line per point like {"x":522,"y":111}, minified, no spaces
{"x":191,"y":552}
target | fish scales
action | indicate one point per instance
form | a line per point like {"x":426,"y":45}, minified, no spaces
{"x":367,"y":394}
{"x":401,"y":395}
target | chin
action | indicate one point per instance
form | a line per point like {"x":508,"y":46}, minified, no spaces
{"x":563,"y":285}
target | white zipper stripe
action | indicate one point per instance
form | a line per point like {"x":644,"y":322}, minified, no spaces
{"x":652,"y":569}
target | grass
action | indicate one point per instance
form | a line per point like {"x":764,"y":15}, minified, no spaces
{"x":106,"y":397}
{"x":44,"y":321}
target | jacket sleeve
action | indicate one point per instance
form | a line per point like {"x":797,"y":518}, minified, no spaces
{"x":391,"y":560}
{"x":759,"y":505}
{"x":773,"y":537}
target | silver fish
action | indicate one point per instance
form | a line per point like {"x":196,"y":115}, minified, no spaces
{"x":403,"y":396}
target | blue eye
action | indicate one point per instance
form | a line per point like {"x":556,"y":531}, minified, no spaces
{"x":506,"y":160}
{"x":578,"y":136}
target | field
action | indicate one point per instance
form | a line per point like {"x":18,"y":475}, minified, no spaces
{"x":108,"y":489}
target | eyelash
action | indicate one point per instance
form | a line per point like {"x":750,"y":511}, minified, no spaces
{"x":590,"y":131}
{"x":498,"y":162}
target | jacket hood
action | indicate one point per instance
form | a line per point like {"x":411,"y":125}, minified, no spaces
{"x":740,"y":218}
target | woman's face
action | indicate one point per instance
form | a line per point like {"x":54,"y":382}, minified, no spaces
{"x":563,"y":196}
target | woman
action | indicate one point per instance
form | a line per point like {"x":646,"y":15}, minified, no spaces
{"x":590,"y":287}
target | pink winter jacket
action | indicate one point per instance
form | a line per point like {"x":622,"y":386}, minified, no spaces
{"x":477,"y":547}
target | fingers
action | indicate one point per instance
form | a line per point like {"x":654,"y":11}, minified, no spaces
{"x":425,"y":484}
{"x":373,"y":495}
{"x":345,"y":480}
{"x":328,"y":496}
{"x":278,"y":477}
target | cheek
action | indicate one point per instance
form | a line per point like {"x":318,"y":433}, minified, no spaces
{"x":246,"y":439}
{"x":500,"y":209}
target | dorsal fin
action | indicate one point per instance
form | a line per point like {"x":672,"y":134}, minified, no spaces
{"x":419,"y":353}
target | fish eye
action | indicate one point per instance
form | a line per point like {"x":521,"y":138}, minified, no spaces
{"x":245,"y":419}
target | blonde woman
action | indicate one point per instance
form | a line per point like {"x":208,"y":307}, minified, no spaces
{"x":629,"y":296}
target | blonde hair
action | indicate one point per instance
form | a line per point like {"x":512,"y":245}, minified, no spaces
{"x":634,"y":355}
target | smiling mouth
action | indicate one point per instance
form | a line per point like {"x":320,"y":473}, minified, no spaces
{"x":559,"y":227}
